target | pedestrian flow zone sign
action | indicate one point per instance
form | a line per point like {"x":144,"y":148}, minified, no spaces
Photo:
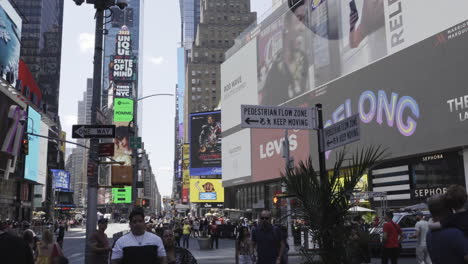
{"x":279,"y":117}
{"x":342,"y":133}
{"x":93,"y":131}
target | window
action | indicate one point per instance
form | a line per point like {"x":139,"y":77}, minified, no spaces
{"x":194,"y":73}
{"x":194,"y":81}
{"x":213,"y":82}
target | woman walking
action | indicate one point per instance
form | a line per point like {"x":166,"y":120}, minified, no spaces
{"x":244,"y":247}
{"x":47,"y":249}
{"x":176,"y":254}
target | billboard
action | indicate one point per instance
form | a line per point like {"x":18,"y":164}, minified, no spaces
{"x":10,"y":42}
{"x":236,"y":154}
{"x":123,"y":110}
{"x":43,"y":154}
{"x":185,"y":173}
{"x":405,"y":101}
{"x":238,"y":84}
{"x":122,"y":195}
{"x":122,"y":149}
{"x":206,"y":190}
{"x":122,"y":90}
{"x":205,"y":143}
{"x":61,"y":180}
{"x":31,"y":169}
{"x":11,"y":133}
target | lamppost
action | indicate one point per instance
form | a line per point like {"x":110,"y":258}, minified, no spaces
{"x":100,"y":6}
{"x":135,"y":150}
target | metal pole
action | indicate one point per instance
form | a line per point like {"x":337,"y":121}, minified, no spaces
{"x":135,"y":152}
{"x":91,"y":212}
{"x":321,"y":146}
{"x":285,"y":190}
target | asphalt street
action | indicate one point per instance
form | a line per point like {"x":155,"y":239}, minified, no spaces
{"x":75,"y":241}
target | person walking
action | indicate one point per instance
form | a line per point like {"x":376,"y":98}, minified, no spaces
{"x":422,"y":227}
{"x":175,"y":254}
{"x":47,"y":249}
{"x":244,"y":247}
{"x":61,"y":234}
{"x":196,"y":228}
{"x":268,"y":241}
{"x":99,"y":244}
{"x":446,"y":245}
{"x":214,"y":234}
{"x":177,"y":233}
{"x":138,"y":246}
{"x":392,"y":237}
{"x":186,"y":230}
{"x":13,"y":250}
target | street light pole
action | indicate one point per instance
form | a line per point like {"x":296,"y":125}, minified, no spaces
{"x":91,"y":212}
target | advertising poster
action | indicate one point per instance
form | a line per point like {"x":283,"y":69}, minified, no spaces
{"x":31,"y":169}
{"x":123,"y":110}
{"x":238,"y":84}
{"x":10,"y":42}
{"x":206,"y":190}
{"x":11,"y":134}
{"x":122,"y":195}
{"x":122,"y":68}
{"x":205,"y":144}
{"x":185,"y":180}
{"x":122,"y":90}
{"x":285,"y":62}
{"x":236,"y":163}
{"x":122,"y":150}
{"x":61,"y":179}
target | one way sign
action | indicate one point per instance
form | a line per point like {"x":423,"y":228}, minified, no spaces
{"x":93,"y":131}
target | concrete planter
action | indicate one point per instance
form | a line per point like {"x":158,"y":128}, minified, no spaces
{"x":204,"y":243}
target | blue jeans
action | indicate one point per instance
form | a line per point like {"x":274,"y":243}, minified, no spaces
{"x":185,"y":239}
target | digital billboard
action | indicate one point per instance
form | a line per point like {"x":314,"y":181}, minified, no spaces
{"x":122,"y":149}
{"x":185,"y":173}
{"x":123,"y":110}
{"x":31,"y":169}
{"x":10,"y":42}
{"x":122,"y":195}
{"x":206,"y":190}
{"x":11,"y":133}
{"x":205,"y":143}
{"x":61,"y":179}
{"x":237,"y":158}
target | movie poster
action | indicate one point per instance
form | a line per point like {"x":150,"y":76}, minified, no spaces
{"x":205,"y":143}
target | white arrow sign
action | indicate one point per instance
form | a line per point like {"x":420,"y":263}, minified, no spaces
{"x":93,"y":131}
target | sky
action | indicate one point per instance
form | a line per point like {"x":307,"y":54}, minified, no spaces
{"x":161,"y":38}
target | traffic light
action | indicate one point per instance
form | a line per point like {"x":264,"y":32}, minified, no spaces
{"x":25,"y":145}
{"x":276,"y":201}
{"x":145,"y":202}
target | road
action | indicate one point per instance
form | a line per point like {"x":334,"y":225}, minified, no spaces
{"x":75,"y":241}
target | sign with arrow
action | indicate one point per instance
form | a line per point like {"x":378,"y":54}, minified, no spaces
{"x":93,"y":131}
{"x":342,"y":133}
{"x":277,"y":117}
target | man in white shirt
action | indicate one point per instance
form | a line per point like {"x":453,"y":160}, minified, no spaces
{"x":422,"y":227}
{"x":138,"y":246}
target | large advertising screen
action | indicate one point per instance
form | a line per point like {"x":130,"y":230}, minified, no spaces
{"x":206,"y":190}
{"x":406,"y":103}
{"x":185,"y":173}
{"x":122,"y":149}
{"x":31,"y":169}
{"x":238,"y":84}
{"x":123,"y":110}
{"x":10,"y":42}
{"x":11,"y":133}
{"x":61,"y":179}
{"x":236,"y":163}
{"x":205,"y":143}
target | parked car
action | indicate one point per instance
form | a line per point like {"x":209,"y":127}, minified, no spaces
{"x":406,"y":221}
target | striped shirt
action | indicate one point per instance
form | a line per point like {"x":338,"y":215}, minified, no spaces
{"x":138,"y":249}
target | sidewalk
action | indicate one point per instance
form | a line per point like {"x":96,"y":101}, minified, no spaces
{"x":226,"y":250}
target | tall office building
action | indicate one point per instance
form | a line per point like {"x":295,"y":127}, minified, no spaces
{"x":77,"y":162}
{"x":189,"y":18}
{"x":41,"y":47}
{"x":220,"y":23}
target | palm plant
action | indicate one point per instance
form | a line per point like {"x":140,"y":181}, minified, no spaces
{"x":326,"y":200}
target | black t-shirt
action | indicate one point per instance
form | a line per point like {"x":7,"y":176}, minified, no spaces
{"x":14,"y":250}
{"x":457,"y":220}
{"x":268,"y":242}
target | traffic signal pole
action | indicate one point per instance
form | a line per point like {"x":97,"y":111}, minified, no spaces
{"x":91,"y":212}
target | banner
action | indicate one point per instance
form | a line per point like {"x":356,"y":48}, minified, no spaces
{"x":11,"y":133}
{"x":61,"y":179}
{"x":123,"y":110}
{"x":237,"y":154}
{"x":122,"y":150}
{"x":203,"y":190}
{"x":122,"y":90}
{"x":32,"y":161}
{"x":122,"y":195}
{"x":205,"y":143}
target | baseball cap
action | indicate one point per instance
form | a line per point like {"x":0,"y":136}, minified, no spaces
{"x":102,"y":221}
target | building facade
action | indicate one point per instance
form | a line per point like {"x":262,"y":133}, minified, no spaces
{"x":371,"y":76}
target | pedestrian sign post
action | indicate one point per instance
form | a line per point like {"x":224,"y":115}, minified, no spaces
{"x":342,"y":133}
{"x":277,"y":117}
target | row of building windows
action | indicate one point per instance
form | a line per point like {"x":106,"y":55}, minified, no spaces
{"x":200,"y":81}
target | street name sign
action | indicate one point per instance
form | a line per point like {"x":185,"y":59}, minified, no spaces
{"x":342,"y":133}
{"x":93,"y":131}
{"x":277,"y":117}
